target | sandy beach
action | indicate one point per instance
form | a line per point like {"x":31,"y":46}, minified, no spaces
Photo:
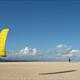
{"x":40,"y":71}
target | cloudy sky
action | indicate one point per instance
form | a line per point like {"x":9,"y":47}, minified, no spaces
{"x":38,"y":26}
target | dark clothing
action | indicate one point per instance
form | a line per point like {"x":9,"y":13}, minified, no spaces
{"x":69,"y":59}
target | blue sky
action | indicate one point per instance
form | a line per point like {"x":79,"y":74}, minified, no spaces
{"x":41,"y":24}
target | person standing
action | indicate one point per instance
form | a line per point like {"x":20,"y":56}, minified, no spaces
{"x":69,"y":59}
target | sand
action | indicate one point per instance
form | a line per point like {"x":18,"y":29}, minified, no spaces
{"x":40,"y":71}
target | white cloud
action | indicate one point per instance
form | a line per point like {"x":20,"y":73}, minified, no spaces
{"x":75,"y":51}
{"x":61,"y":49}
{"x":72,"y":53}
{"x":61,"y":46}
{"x":67,"y":51}
{"x":28,"y":51}
{"x":34,"y":51}
{"x":68,"y":55}
{"x":24,"y":51}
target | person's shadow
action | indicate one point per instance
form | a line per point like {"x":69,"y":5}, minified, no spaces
{"x":68,"y":71}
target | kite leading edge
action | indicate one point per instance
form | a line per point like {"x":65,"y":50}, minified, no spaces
{"x":3,"y":37}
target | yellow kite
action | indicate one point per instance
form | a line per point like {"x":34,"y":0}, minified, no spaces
{"x":3,"y":37}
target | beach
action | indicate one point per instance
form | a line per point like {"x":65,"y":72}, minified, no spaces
{"x":39,"y":71}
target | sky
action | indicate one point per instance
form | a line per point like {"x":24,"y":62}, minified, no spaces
{"x":40,"y":24}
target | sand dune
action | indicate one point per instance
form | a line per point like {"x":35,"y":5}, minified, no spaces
{"x":40,"y":71}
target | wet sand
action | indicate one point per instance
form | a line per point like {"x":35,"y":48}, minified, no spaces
{"x":40,"y":71}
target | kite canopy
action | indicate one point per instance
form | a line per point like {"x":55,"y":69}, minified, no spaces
{"x":3,"y":37}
